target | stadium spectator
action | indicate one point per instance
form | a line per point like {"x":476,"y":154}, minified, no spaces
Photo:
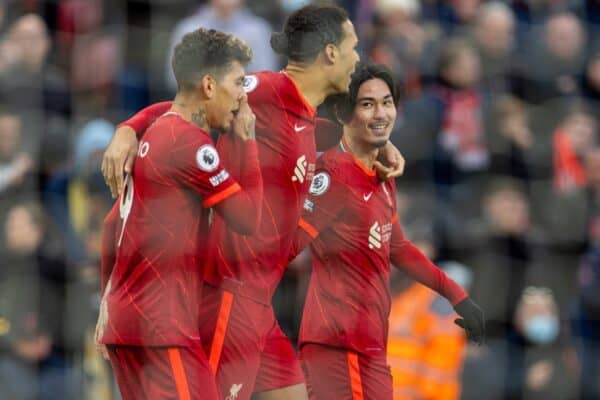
{"x":502,"y":254}
{"x":551,"y":64}
{"x":565,"y":232}
{"x":233,"y":17}
{"x":15,"y":164}
{"x":33,"y":361}
{"x":36,"y":89}
{"x":510,"y":138}
{"x":494,"y":38}
{"x":549,"y":364}
{"x":398,"y":41}
{"x":456,"y":16}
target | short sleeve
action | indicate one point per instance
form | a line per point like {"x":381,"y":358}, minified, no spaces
{"x":324,"y":202}
{"x":196,"y":164}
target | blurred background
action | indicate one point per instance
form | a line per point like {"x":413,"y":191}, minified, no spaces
{"x":498,"y":123}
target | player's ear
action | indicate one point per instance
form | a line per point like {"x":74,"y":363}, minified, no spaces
{"x":207,"y":86}
{"x":337,"y":114}
{"x":331,"y":53}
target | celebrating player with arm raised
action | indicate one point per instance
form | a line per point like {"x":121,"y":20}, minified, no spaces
{"x":351,"y":222}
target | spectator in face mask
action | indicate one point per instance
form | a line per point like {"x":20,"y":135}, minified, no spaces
{"x":548,"y":360}
{"x":537,"y":316}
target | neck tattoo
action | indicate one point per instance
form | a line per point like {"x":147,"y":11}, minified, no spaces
{"x":199,"y":119}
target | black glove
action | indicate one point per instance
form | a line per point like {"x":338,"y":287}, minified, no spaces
{"x":472,"y":320}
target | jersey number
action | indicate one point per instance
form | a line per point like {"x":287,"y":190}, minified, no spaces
{"x":125,"y":204}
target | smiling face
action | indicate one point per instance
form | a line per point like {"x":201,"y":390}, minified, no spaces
{"x":374,"y":114}
{"x":229,"y":92}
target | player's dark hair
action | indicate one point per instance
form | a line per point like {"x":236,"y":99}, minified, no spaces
{"x":308,"y":30}
{"x":206,"y":51}
{"x":345,"y":103}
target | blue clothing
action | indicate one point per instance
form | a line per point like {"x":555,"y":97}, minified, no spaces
{"x":255,"y":31}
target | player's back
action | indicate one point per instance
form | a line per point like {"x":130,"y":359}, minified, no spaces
{"x":155,"y":286}
{"x":285,"y":125}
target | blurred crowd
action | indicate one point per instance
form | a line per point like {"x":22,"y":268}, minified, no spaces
{"x":499,"y":125}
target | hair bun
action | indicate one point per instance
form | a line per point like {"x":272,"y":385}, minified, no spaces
{"x":279,"y":43}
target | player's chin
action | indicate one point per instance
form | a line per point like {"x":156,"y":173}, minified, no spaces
{"x":379,"y":139}
{"x":226,"y":125}
{"x":379,"y":142}
{"x":380,"y":134}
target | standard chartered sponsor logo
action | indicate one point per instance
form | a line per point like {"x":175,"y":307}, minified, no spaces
{"x":379,"y":234}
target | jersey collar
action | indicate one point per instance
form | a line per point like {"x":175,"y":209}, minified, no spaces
{"x":311,"y":110}
{"x":346,"y":149}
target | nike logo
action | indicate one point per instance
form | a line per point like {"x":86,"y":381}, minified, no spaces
{"x":299,"y":128}
{"x":367,"y":196}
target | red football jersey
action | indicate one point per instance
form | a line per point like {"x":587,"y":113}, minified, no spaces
{"x":285,"y":127}
{"x":351,"y":215}
{"x":153,"y":293}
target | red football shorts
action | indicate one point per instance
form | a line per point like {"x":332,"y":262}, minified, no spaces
{"x":162,"y":373}
{"x":337,"y":373}
{"x":279,"y":365}
{"x":245,"y":345}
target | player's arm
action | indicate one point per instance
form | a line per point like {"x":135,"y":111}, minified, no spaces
{"x":196,"y":163}
{"x":120,"y":153}
{"x":321,"y":208}
{"x":408,"y":257}
{"x":242,"y":211}
{"x":390,"y":162}
{"x":198,"y":167}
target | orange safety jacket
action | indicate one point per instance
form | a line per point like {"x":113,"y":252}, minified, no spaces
{"x":425,"y":348}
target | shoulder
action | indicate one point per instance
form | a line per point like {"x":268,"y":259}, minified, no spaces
{"x":263,"y":87}
{"x":329,"y":171}
{"x":182,"y":133}
{"x":334,"y":160}
{"x":265,"y":82}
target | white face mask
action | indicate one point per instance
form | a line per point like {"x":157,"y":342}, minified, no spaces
{"x":541,"y":329}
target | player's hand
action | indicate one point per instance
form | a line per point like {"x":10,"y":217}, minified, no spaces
{"x":118,"y":159}
{"x":472,"y":321}
{"x":390,"y":162}
{"x":243,"y":125}
{"x":101,"y":348}
{"x":100,"y":324}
